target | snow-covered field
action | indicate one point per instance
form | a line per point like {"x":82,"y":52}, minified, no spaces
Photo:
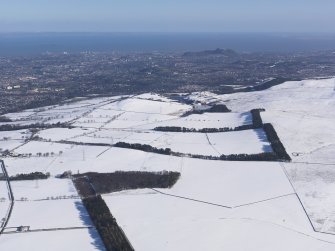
{"x":215,"y":205}
{"x":172,"y":223}
{"x":12,"y":139}
{"x":234,"y":183}
{"x":44,"y":189}
{"x":79,"y":239}
{"x":303,"y":115}
{"x":45,"y":206}
{"x":207,"y":120}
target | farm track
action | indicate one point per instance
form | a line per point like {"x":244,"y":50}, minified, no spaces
{"x":47,"y":230}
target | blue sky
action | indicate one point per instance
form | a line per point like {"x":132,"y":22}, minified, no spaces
{"x":168,"y":15}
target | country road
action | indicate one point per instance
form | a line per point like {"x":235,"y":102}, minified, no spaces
{"x":10,"y":195}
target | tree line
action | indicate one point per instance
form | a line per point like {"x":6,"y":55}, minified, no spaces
{"x":28,"y":176}
{"x":5,"y":119}
{"x":279,"y":152}
{"x":256,"y":118}
{"x":13,"y":127}
{"x":144,"y":147}
{"x":118,"y":181}
{"x":202,"y":130}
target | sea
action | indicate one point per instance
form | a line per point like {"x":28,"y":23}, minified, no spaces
{"x":16,"y":44}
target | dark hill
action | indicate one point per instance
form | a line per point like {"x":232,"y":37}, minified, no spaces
{"x":218,"y":51}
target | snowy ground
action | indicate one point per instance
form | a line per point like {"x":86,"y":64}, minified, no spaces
{"x":177,"y":224}
{"x":79,"y":239}
{"x":43,"y":189}
{"x":207,"y":120}
{"x":215,"y":204}
{"x":303,"y":116}
{"x":45,"y":206}
{"x":9,"y":140}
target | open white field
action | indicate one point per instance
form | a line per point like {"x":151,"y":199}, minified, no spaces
{"x":303,"y":115}
{"x":207,"y":120}
{"x":51,"y":188}
{"x":53,"y":213}
{"x":177,"y":224}
{"x":215,"y":205}
{"x":57,"y":134}
{"x":138,"y":105}
{"x":234,"y":183}
{"x":67,"y":112}
{"x":315,"y":185}
{"x":302,"y":112}
{"x":12,"y":139}
{"x":48,"y":208}
{"x":129,"y":120}
{"x":214,"y":144}
{"x":94,"y":159}
{"x":78,"y":239}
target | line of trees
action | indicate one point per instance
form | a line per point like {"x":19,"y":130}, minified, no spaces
{"x":5,"y":119}
{"x":277,"y":146}
{"x":82,"y":143}
{"x":202,"y":130}
{"x":144,"y":147}
{"x":13,"y":127}
{"x":256,"y":118}
{"x":118,"y":181}
{"x":28,"y":176}
{"x":266,"y":156}
{"x":111,"y":234}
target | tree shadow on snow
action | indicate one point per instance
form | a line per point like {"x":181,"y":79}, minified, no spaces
{"x":262,"y":138}
{"x":85,"y":218}
{"x":247,"y":118}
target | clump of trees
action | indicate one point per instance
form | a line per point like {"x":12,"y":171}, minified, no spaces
{"x":111,"y":234}
{"x":28,"y":176}
{"x":144,"y":147}
{"x":118,"y":181}
{"x":218,"y":108}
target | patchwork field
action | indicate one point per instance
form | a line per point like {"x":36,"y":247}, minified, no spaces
{"x":269,"y":203}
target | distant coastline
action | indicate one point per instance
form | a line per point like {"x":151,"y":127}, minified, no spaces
{"x":16,"y":44}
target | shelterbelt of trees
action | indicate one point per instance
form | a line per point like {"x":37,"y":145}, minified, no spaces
{"x":28,"y":176}
{"x":118,"y":181}
{"x":111,"y":234}
{"x":13,"y":127}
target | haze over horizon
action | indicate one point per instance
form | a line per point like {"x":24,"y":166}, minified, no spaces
{"x":302,"y":16}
